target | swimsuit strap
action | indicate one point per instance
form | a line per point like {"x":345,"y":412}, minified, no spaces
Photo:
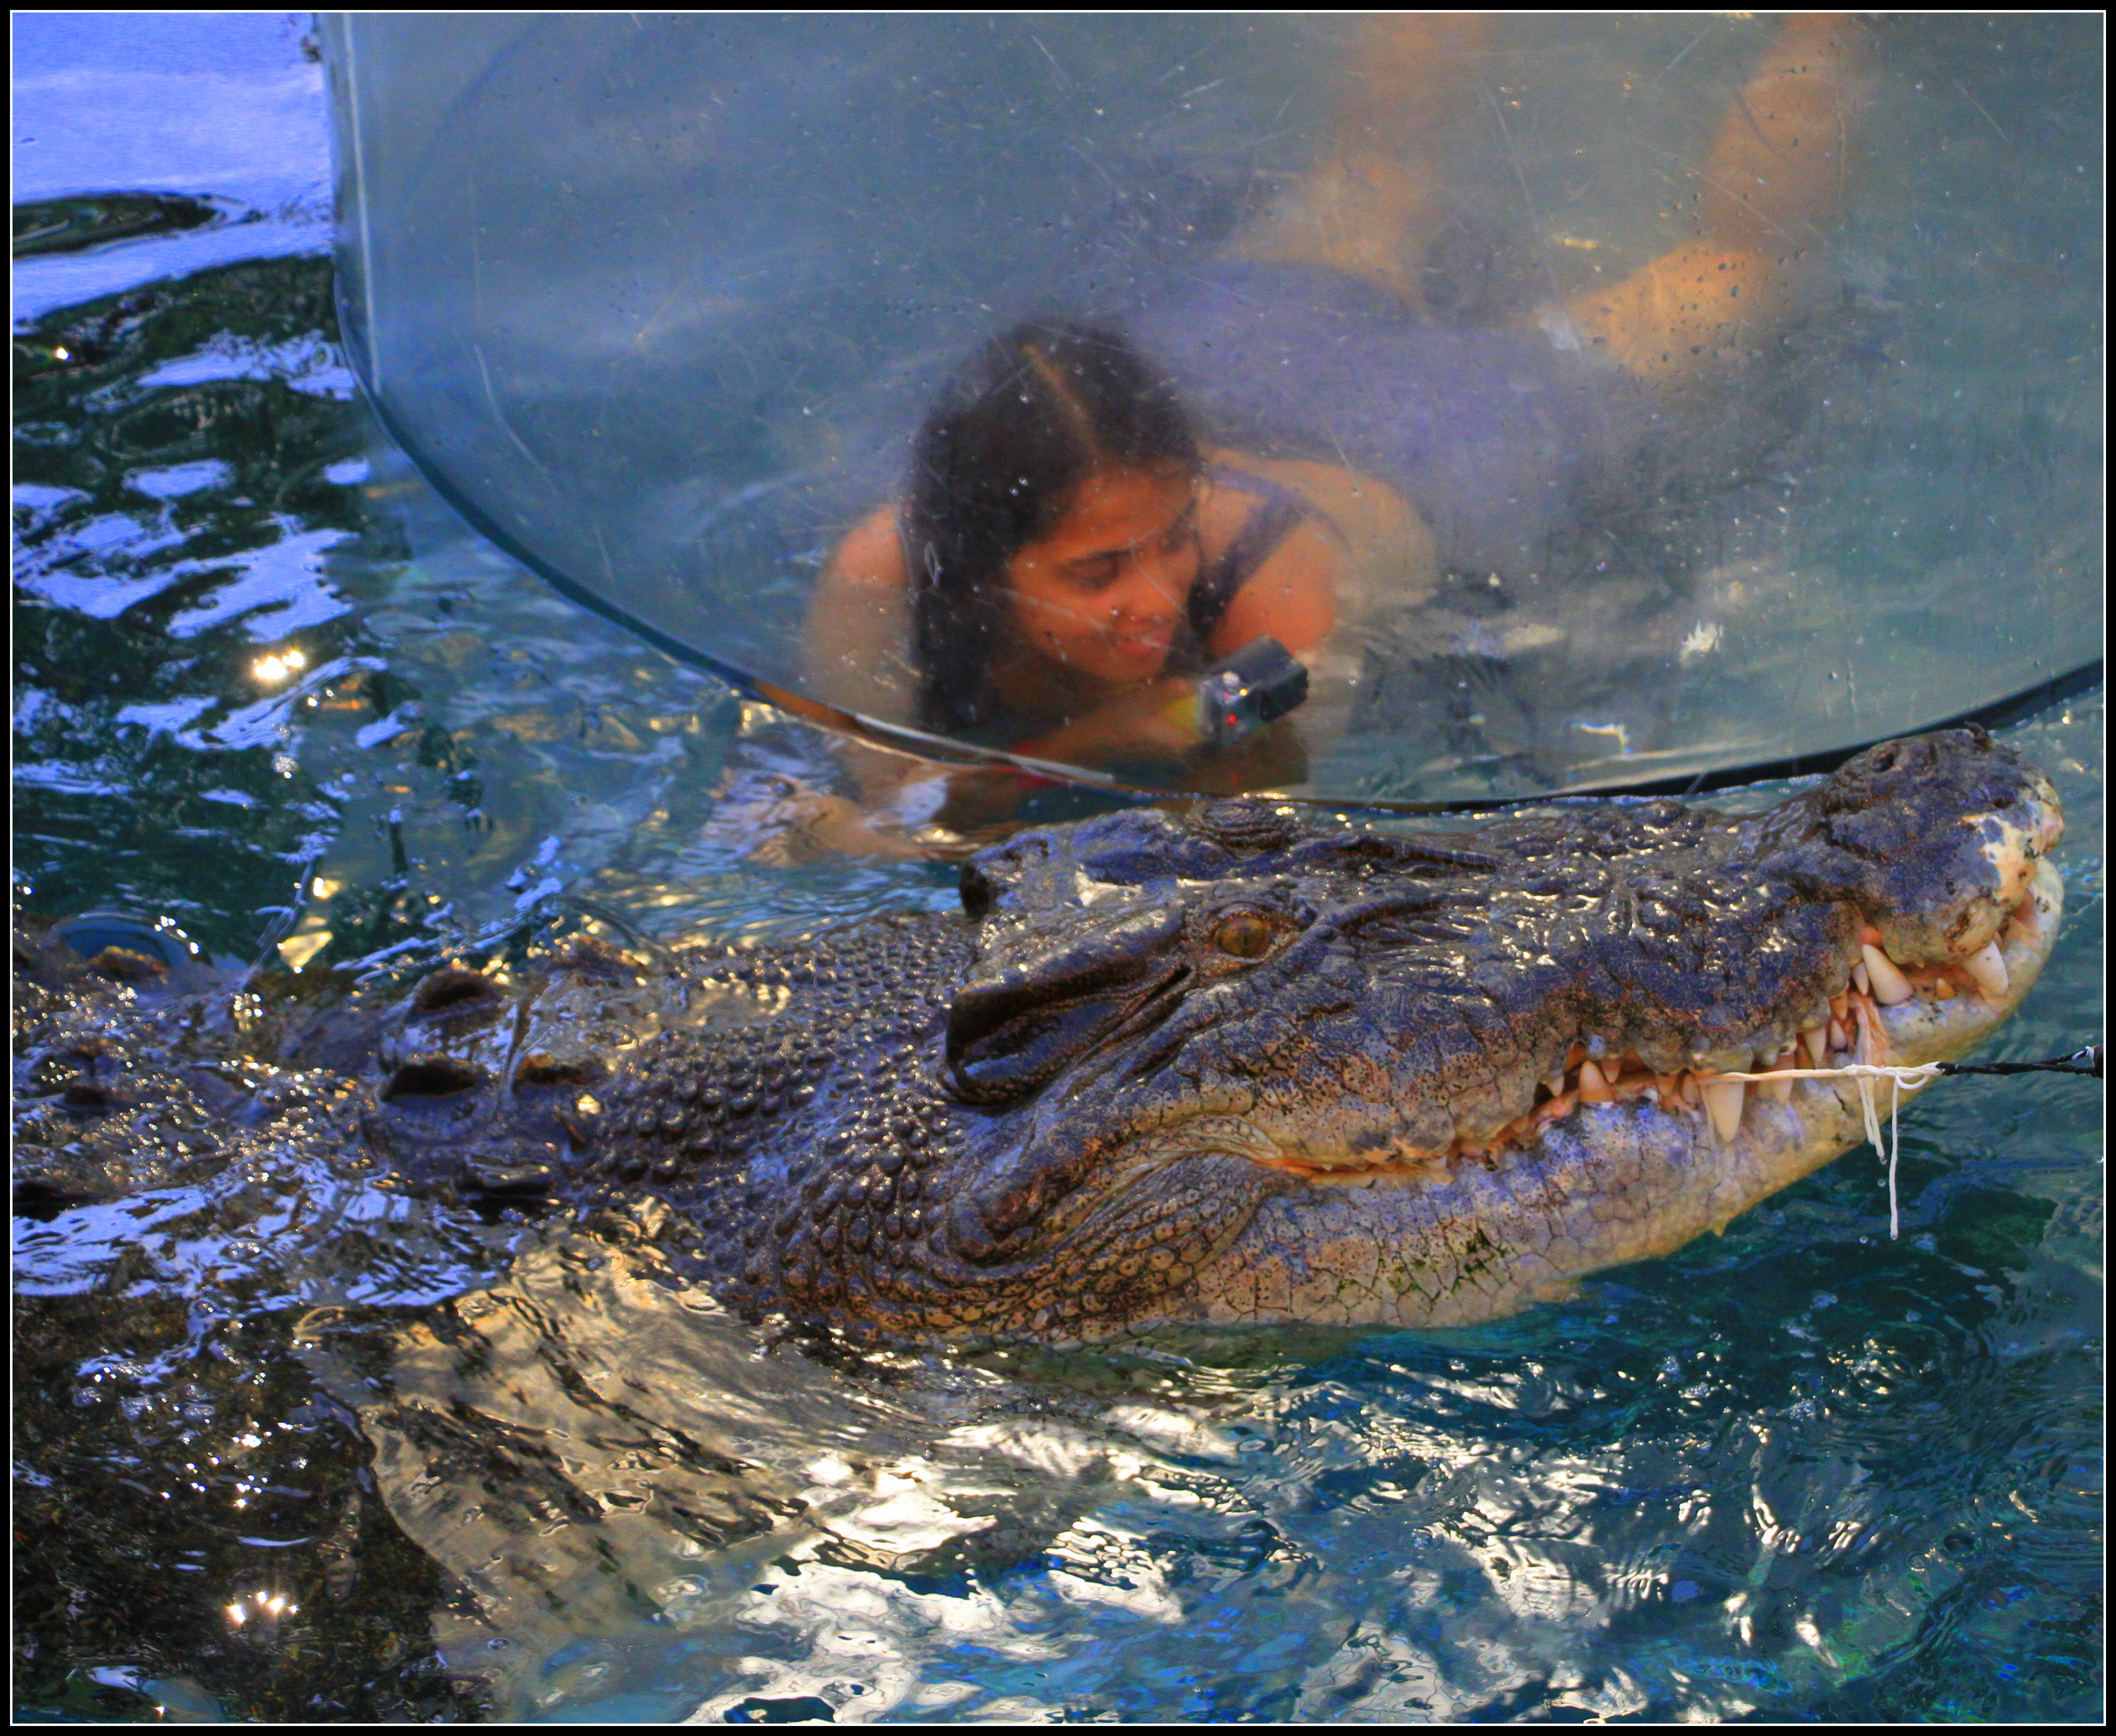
{"x":1254,"y":544}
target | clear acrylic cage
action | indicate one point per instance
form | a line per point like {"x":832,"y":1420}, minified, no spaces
{"x":663,"y":304}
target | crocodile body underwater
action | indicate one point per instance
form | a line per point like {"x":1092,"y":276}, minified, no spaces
{"x":1232,"y":1067}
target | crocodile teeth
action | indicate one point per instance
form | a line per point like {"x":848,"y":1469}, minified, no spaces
{"x":1780,"y":1090}
{"x":1859,"y":974}
{"x":1815,"y":1041}
{"x":1988,"y":968}
{"x":1594,"y":1088}
{"x":1891,"y":987}
{"x":1722,"y":1102}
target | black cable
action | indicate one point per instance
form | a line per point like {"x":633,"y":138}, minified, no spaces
{"x":2086,"y":1062}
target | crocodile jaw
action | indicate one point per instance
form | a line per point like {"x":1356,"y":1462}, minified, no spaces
{"x":1604,"y":1185}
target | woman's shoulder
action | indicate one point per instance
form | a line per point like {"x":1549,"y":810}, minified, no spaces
{"x":1360,"y":550}
{"x":1248,"y":481}
{"x":1232,"y":498}
{"x":1384,"y":539}
{"x":870,"y":556}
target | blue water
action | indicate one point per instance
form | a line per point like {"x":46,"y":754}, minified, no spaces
{"x":290,"y":1446}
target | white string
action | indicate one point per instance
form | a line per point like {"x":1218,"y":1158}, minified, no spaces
{"x":1863,"y":1074}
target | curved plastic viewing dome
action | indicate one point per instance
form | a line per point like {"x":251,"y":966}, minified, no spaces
{"x":1415,"y":407}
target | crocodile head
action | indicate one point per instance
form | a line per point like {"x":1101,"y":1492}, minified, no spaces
{"x":1233,"y":1068}
{"x":1225,"y":1068}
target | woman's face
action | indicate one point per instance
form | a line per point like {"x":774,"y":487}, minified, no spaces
{"x":1105,"y":592}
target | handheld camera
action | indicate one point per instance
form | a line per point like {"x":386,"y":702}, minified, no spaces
{"x":1248,"y":688}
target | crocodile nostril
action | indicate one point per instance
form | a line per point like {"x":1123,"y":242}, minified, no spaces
{"x":543,"y":1069}
{"x":978,"y":893}
{"x":430,"y":1078}
{"x":452,"y":987}
{"x":122,"y":964}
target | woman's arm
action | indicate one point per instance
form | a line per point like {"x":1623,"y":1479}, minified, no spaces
{"x":857,"y":638}
{"x":857,"y":642}
{"x":1367,"y":555}
{"x":1292,"y":596}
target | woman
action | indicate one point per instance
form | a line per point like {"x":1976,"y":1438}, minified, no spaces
{"x":1066,"y":559}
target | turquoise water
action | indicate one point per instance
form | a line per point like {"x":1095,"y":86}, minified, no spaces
{"x":290,"y":1447}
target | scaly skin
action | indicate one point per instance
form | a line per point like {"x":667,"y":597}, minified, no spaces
{"x":1234,"y":1069}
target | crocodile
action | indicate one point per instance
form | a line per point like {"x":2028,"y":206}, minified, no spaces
{"x":1226,"y":1065}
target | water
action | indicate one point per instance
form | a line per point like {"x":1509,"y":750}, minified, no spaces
{"x":291,"y":1447}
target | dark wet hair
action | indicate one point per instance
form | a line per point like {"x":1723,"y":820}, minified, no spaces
{"x":998,"y":459}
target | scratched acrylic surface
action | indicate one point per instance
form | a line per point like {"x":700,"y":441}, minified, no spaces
{"x":290,"y":1447}
{"x":639,"y":256}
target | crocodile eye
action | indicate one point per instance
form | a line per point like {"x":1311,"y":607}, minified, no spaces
{"x":1243,"y":935}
